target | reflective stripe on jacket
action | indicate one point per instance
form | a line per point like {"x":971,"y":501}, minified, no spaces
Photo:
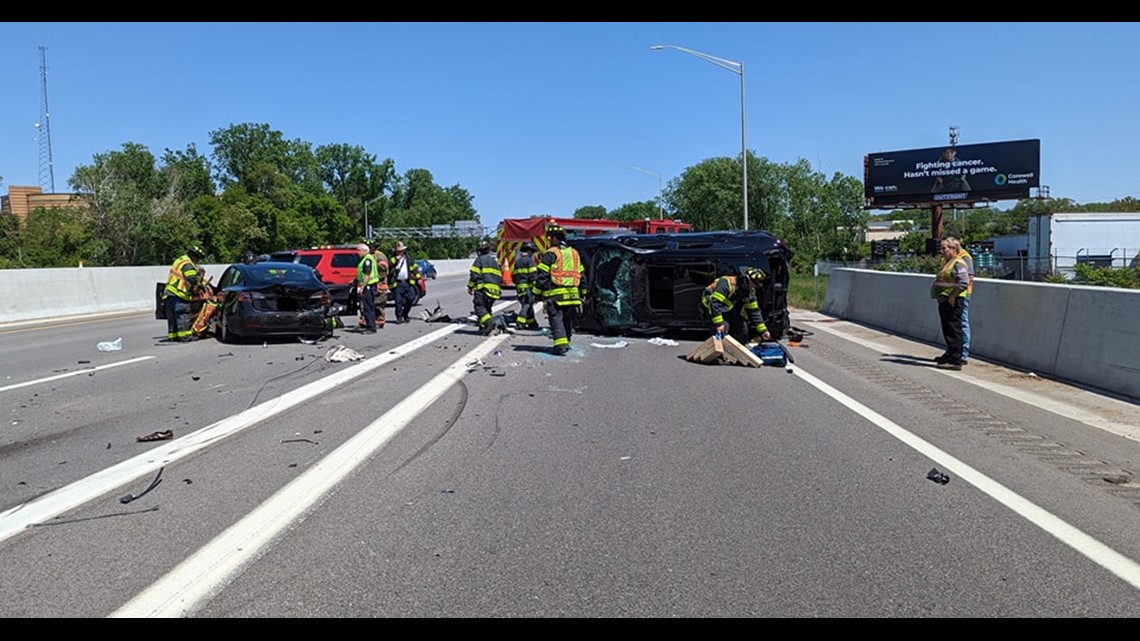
{"x":524,"y":273}
{"x":952,"y":274}
{"x":486,"y":276}
{"x":558,"y":276}
{"x":183,"y":278}
{"x":723,"y":295}
{"x":381,"y":271}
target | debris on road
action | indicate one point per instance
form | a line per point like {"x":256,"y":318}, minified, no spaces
{"x":164,"y":435}
{"x":656,"y":340}
{"x":341,"y":353}
{"x":937,"y":477}
{"x":110,"y":346}
{"x":617,"y":345}
{"x":153,"y":484}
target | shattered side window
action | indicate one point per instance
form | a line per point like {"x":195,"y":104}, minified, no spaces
{"x":610,"y":287}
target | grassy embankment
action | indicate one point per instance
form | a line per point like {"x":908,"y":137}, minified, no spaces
{"x":805,"y":291}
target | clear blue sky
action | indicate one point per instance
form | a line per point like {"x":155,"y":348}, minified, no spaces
{"x":547,"y":117}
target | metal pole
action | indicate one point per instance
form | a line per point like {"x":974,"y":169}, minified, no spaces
{"x":660,"y":208}
{"x":743,"y":146}
{"x":736,"y":68}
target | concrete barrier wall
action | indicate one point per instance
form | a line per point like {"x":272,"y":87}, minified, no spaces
{"x":38,"y":294}
{"x":1081,"y":334}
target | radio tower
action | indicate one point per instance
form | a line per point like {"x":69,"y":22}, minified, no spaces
{"x":47,"y":173}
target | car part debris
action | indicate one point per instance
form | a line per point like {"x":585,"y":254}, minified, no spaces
{"x":341,"y":353}
{"x":436,"y":315}
{"x":153,"y":484}
{"x":937,"y":477}
{"x":164,"y":435}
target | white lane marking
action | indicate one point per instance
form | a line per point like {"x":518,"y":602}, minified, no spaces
{"x":1130,"y":432}
{"x":16,"y":519}
{"x":1094,"y":550}
{"x":86,"y":370}
{"x":193,"y":582}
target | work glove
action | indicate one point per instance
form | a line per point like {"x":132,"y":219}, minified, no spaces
{"x":721,"y":330}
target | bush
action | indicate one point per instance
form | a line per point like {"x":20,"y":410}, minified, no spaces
{"x":1128,"y":278}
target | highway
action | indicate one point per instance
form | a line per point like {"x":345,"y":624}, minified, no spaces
{"x":449,"y":474}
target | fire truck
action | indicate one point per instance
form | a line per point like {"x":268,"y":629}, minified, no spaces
{"x":513,"y":232}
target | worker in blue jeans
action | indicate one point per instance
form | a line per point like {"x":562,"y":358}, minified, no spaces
{"x":964,"y":302}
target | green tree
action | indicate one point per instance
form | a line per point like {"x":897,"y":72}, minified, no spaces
{"x":187,"y":174}
{"x":705,"y":195}
{"x":635,"y":211}
{"x":58,"y":237}
{"x":11,"y":245}
{"x":591,"y":212}
{"x":263,"y":162}
{"x":122,"y":190}
{"x":355,"y":178}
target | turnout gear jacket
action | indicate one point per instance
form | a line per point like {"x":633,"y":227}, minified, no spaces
{"x":558,"y":276}
{"x":486,"y":276}
{"x":184,"y":278}
{"x":524,"y":273}
{"x":381,"y":270}
{"x":724,"y":295}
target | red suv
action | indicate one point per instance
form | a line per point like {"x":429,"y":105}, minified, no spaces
{"x":335,"y":266}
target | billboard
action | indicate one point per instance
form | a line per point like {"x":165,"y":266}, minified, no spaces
{"x":955,"y":174}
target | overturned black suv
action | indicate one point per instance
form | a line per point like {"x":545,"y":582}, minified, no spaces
{"x":652,"y":283}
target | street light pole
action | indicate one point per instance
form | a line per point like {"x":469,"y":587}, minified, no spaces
{"x":367,"y":228}
{"x":738,"y":69}
{"x":660,"y":210}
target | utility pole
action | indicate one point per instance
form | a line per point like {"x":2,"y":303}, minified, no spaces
{"x":47,"y":172}
{"x":936,"y":209}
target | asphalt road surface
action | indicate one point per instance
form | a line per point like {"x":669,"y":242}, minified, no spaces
{"x":448,"y":474}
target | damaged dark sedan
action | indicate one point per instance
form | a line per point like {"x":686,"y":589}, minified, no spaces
{"x":273,"y":300}
{"x":652,"y":283}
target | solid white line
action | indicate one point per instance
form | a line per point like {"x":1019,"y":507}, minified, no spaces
{"x":1130,"y":432}
{"x":1097,"y":552}
{"x":86,"y":370}
{"x":16,"y":519}
{"x":187,"y":587}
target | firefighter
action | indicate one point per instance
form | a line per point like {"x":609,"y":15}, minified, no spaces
{"x":729,"y":300}
{"x":382,"y":266}
{"x":367,"y":276}
{"x":183,"y":284}
{"x":524,"y":273}
{"x":558,"y":281}
{"x":485,"y":285}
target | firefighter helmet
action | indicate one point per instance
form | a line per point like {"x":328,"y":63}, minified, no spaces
{"x":484,"y":246}
{"x":555,"y":230}
{"x":196,"y":252}
{"x":528,"y":247}
{"x":753,"y":274}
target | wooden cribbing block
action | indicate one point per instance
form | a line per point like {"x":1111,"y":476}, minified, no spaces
{"x":727,"y":349}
